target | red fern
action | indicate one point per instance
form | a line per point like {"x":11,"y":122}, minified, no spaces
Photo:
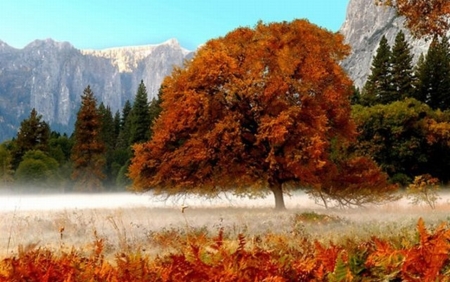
{"x":425,"y":261}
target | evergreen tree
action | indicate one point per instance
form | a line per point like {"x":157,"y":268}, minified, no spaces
{"x":402,"y":70}
{"x":418,"y":68}
{"x":355,"y":99}
{"x":125,"y":112}
{"x":108,"y":130}
{"x":60,"y":150}
{"x":123,"y":143}
{"x":116,"y":122}
{"x":60,"y":147}
{"x":108,"y":136}
{"x":123,"y":151}
{"x":434,"y":75}
{"x":135,"y":128}
{"x":119,"y":156}
{"x":155,"y":109}
{"x":378,"y":88}
{"x":34,"y":134}
{"x":140,"y":117}
{"x":88,"y":150}
{"x":6,"y":171}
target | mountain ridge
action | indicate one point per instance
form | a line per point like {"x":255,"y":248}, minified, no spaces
{"x":50,"y":76}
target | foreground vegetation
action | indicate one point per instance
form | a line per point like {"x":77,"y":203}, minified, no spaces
{"x":390,"y":243}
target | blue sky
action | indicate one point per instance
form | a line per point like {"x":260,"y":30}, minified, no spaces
{"x":97,"y":24}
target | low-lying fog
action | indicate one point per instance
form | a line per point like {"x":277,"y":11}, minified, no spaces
{"x":125,"y":200}
{"x":29,"y":202}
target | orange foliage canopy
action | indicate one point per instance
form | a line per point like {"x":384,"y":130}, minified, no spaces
{"x":256,"y":108}
{"x":423,"y":17}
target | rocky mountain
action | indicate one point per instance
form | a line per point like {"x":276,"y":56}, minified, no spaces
{"x":51,"y":76}
{"x":363,"y":28}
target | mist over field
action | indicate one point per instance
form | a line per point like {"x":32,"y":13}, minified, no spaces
{"x":126,"y":200}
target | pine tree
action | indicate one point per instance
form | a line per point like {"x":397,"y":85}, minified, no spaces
{"x":434,"y":75}
{"x":418,"y":69}
{"x":155,"y":109}
{"x":6,"y":172}
{"x":34,"y":134}
{"x":355,"y":99}
{"x":108,"y":137}
{"x":140,"y":117}
{"x":116,"y":122}
{"x":135,"y":128}
{"x":125,"y":131}
{"x":107,"y":126}
{"x":378,"y":89}
{"x":125,"y":112}
{"x":402,"y":70}
{"x":88,"y":150}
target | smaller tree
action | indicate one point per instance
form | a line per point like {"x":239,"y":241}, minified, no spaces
{"x":88,"y":150}
{"x":33,"y":134}
{"x":155,"y":109}
{"x":425,"y":189}
{"x":38,"y":170}
{"x":6,"y":172}
{"x":354,"y":173}
{"x":60,"y":147}
{"x":109,"y":138}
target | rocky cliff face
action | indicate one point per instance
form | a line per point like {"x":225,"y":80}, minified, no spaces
{"x":363,"y":28}
{"x":51,"y":76}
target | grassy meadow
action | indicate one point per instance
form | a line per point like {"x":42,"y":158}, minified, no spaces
{"x":209,"y":233}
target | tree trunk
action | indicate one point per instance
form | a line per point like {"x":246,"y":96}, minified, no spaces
{"x":277,"y":190}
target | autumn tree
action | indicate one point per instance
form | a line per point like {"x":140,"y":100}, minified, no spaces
{"x":258,"y":108}
{"x":34,"y":134}
{"x":88,"y":149}
{"x":423,"y":17}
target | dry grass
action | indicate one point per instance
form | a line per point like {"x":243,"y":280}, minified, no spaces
{"x":142,"y":228}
